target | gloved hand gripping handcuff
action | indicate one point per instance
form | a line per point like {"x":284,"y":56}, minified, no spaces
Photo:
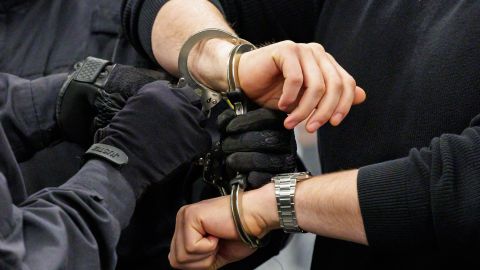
{"x":213,"y":162}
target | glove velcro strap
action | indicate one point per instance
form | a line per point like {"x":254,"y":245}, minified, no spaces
{"x":107,"y":152}
{"x":91,"y":69}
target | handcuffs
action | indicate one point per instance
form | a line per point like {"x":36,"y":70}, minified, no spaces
{"x":213,"y":161}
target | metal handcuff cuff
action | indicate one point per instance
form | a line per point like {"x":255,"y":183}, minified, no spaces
{"x":209,"y":99}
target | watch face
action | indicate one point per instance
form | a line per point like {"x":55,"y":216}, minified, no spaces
{"x":303,"y":176}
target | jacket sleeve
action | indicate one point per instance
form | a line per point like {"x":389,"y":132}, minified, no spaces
{"x":74,"y":226}
{"x":427,"y":200}
{"x":138,"y":17}
{"x":27,"y":112}
{"x":258,"y":21}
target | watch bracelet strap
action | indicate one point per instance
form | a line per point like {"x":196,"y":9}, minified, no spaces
{"x":288,"y":219}
{"x":285,"y":187}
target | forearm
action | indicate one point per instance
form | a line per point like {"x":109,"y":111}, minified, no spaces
{"x":176,"y":21}
{"x":326,"y":205}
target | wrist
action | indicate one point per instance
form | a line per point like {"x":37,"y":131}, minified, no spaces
{"x":208,"y":63}
{"x":260,"y":211}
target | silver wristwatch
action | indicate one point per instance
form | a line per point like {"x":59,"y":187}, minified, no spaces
{"x":285,"y":185}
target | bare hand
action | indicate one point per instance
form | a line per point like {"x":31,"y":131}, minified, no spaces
{"x":205,"y":235}
{"x":301,"y":79}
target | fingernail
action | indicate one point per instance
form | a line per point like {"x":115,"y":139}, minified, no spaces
{"x":314,"y":126}
{"x":289,"y":122}
{"x":337,"y":118}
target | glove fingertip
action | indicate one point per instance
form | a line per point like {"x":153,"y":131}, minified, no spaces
{"x":225,"y":118}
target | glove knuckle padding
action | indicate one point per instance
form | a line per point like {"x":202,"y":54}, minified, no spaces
{"x":255,"y":161}
{"x":259,"y":119}
{"x":266,"y":140}
{"x":257,"y":145}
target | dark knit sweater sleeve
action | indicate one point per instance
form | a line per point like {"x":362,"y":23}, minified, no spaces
{"x":138,"y":17}
{"x":261,"y":21}
{"x":430,"y":199}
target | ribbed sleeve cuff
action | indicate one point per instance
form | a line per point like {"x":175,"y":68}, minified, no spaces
{"x":395,"y":205}
{"x":147,"y":16}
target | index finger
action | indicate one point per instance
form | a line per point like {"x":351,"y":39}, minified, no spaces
{"x":291,"y":68}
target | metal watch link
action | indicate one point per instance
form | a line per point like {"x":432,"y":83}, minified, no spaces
{"x":285,"y":185}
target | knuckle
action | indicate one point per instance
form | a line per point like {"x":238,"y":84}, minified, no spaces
{"x":174,"y":264}
{"x":302,"y":115}
{"x":295,"y":47}
{"x":320,"y":90}
{"x":336,"y":84}
{"x":323,"y":115}
{"x":323,"y":90}
{"x":190,"y":248}
{"x":289,"y":100}
{"x":304,"y":46}
{"x":296,"y":79}
{"x":181,"y":258}
{"x":343,"y":109}
{"x":181,"y":213}
{"x":351,"y":81}
{"x":316,"y":47}
{"x":189,"y":213}
{"x":173,"y":261}
{"x":316,"y":94}
{"x":322,"y":118}
{"x":287,"y":44}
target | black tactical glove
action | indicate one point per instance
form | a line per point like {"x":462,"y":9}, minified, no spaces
{"x":256,"y":144}
{"x":159,"y":130}
{"x":94,"y":93}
